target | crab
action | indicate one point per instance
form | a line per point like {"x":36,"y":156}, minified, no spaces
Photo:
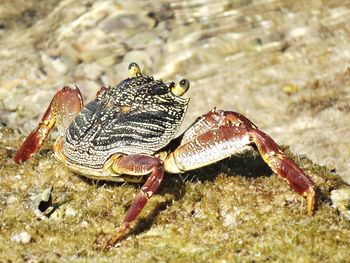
{"x":127,"y":134}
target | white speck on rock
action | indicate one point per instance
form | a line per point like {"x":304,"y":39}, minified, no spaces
{"x":23,"y":237}
{"x":84,"y":224}
{"x":229,"y":221}
{"x":11,"y":200}
{"x":70,"y":212}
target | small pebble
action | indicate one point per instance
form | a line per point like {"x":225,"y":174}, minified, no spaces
{"x":229,"y":221}
{"x":70,"y":211}
{"x":11,"y":200}
{"x":23,"y":237}
{"x":84,"y":224}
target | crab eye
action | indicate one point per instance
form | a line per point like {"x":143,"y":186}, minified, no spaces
{"x":134,"y":70}
{"x":180,"y":88}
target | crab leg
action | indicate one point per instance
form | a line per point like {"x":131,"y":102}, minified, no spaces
{"x":137,"y":165}
{"x":220,"y":134}
{"x":284,"y":167}
{"x":64,"y":106}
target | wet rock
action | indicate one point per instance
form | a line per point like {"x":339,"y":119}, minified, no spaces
{"x":54,"y":65}
{"x":134,"y":23}
{"x":91,"y":71}
{"x":89,"y":88}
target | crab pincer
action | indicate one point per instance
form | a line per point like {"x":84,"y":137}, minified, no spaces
{"x":65,"y":105}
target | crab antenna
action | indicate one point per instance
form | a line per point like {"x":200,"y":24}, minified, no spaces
{"x":180,"y":88}
{"x":134,"y":70}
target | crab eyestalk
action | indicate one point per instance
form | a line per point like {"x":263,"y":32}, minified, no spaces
{"x":180,"y":88}
{"x":134,"y":70}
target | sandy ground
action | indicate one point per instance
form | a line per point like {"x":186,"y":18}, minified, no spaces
{"x":283,"y":64}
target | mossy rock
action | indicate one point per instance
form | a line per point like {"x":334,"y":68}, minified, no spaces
{"x":236,"y":210}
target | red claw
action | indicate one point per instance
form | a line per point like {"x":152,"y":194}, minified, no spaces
{"x":36,"y":138}
{"x":29,"y":147}
{"x":65,"y":105}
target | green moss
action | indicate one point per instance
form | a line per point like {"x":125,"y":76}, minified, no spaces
{"x":236,"y":210}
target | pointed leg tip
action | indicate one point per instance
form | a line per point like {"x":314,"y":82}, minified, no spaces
{"x":22,"y":156}
{"x":120,"y":235}
{"x":112,"y":242}
{"x":29,"y":147}
{"x":19,"y":158}
{"x":311,"y":200}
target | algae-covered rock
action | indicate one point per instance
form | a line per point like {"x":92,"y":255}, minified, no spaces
{"x":235,"y":210}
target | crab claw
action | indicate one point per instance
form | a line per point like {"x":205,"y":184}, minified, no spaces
{"x":65,"y":105}
{"x":33,"y":142}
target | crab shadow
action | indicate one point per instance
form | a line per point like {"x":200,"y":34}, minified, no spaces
{"x":247,"y":164}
